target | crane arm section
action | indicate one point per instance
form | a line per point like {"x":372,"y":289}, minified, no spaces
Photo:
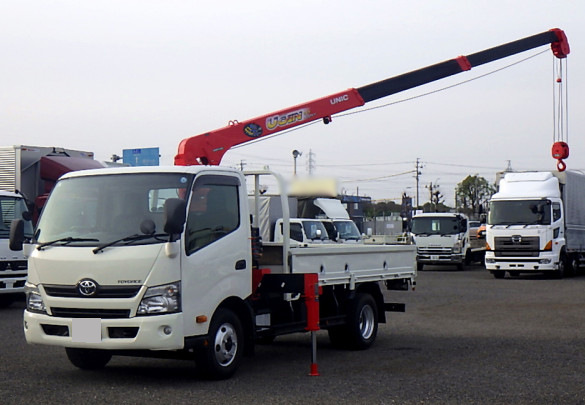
{"x":209,"y":148}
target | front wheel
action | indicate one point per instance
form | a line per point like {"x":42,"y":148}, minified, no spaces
{"x":222,"y":356}
{"x":499,"y":273}
{"x":88,"y":359}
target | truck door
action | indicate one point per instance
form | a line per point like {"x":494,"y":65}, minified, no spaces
{"x":217,"y":254}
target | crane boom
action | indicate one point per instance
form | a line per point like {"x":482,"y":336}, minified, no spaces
{"x":209,"y":148}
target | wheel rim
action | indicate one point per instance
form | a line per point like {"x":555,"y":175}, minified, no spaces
{"x":367,"y":322}
{"x":226,"y":344}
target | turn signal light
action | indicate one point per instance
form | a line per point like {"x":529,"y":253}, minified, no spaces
{"x":548,"y":245}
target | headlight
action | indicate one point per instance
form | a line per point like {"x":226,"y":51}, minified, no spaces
{"x":34,"y":301}
{"x":163,"y":299}
{"x":457,"y":247}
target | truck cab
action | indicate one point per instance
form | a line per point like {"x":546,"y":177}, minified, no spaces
{"x":12,"y":264}
{"x":535,"y":224}
{"x":302,"y":230}
{"x":441,"y":239}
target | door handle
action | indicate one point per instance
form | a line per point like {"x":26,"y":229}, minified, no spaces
{"x":240,"y":264}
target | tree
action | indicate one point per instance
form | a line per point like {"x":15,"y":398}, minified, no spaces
{"x":472,"y":195}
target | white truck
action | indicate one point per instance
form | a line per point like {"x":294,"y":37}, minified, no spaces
{"x":165,"y":262}
{"x":27,"y":175}
{"x":443,"y":239}
{"x":12,"y":264}
{"x":536,"y":223}
{"x":339,"y":226}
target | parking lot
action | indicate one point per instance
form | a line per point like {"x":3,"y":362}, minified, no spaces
{"x":466,"y":338}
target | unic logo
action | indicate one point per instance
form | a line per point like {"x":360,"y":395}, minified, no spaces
{"x":339,"y":99}
{"x":287,"y":119}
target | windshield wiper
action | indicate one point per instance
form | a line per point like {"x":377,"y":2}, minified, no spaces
{"x":65,"y":241}
{"x":128,"y":239}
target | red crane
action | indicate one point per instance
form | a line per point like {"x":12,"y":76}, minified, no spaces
{"x":209,"y":148}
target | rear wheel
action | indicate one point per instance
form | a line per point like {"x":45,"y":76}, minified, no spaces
{"x":88,"y":359}
{"x":222,"y":356}
{"x":362,"y":322}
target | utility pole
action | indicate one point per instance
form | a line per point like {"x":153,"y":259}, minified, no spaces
{"x":418,"y":173}
{"x":311,"y":162}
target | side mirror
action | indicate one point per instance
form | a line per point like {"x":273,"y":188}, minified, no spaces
{"x":174,"y":217}
{"x":16,"y":234}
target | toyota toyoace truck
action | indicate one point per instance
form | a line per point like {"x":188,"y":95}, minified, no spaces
{"x":165,"y":262}
{"x":536,"y":223}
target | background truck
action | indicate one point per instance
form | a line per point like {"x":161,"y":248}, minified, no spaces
{"x":27,"y":175}
{"x":165,"y":262}
{"x":12,"y":264}
{"x":536,"y":223}
{"x":443,"y":238}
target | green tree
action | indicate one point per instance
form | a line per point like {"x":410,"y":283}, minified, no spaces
{"x":472,"y":195}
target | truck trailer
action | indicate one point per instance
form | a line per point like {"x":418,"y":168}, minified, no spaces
{"x":536,"y":223}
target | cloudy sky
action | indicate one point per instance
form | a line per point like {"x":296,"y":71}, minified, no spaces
{"x":110,"y":75}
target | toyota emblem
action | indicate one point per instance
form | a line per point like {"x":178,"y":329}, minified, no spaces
{"x":87,"y":287}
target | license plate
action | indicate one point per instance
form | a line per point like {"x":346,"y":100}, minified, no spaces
{"x":434,"y":257}
{"x":86,"y":330}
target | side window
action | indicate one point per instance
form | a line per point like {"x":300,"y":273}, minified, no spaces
{"x":214,"y":212}
{"x":556,"y":207}
{"x":296,"y":232}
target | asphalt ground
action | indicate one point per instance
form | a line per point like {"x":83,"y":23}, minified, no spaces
{"x":465,"y":338}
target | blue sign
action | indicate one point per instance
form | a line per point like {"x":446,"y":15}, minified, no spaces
{"x":141,"y":157}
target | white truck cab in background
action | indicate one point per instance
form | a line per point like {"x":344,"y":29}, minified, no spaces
{"x":536,"y":223}
{"x":441,"y":239}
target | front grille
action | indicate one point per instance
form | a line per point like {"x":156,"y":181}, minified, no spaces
{"x":434,"y":251}
{"x":90,"y":313}
{"x":14,"y":265}
{"x":517,"y":246}
{"x":113,"y":291}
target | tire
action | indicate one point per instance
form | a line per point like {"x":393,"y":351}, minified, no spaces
{"x":221,"y":358}
{"x":88,"y":359}
{"x":562,"y":270}
{"x":6,"y":300}
{"x":362,"y":322}
{"x":499,"y":274}
{"x":419,"y":266}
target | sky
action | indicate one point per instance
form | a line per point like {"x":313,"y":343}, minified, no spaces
{"x":106,"y":75}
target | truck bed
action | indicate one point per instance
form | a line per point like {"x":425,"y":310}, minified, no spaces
{"x":345,"y":263}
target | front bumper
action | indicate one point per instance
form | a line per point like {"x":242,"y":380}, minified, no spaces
{"x":159,"y":332}
{"x":440,"y":259}
{"x":542,"y":263}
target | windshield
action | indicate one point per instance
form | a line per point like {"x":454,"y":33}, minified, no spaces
{"x":526,"y":212}
{"x":93,"y":210}
{"x":436,"y":226}
{"x":311,"y":228}
{"x":13,"y":208}
{"x":347,"y":230}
